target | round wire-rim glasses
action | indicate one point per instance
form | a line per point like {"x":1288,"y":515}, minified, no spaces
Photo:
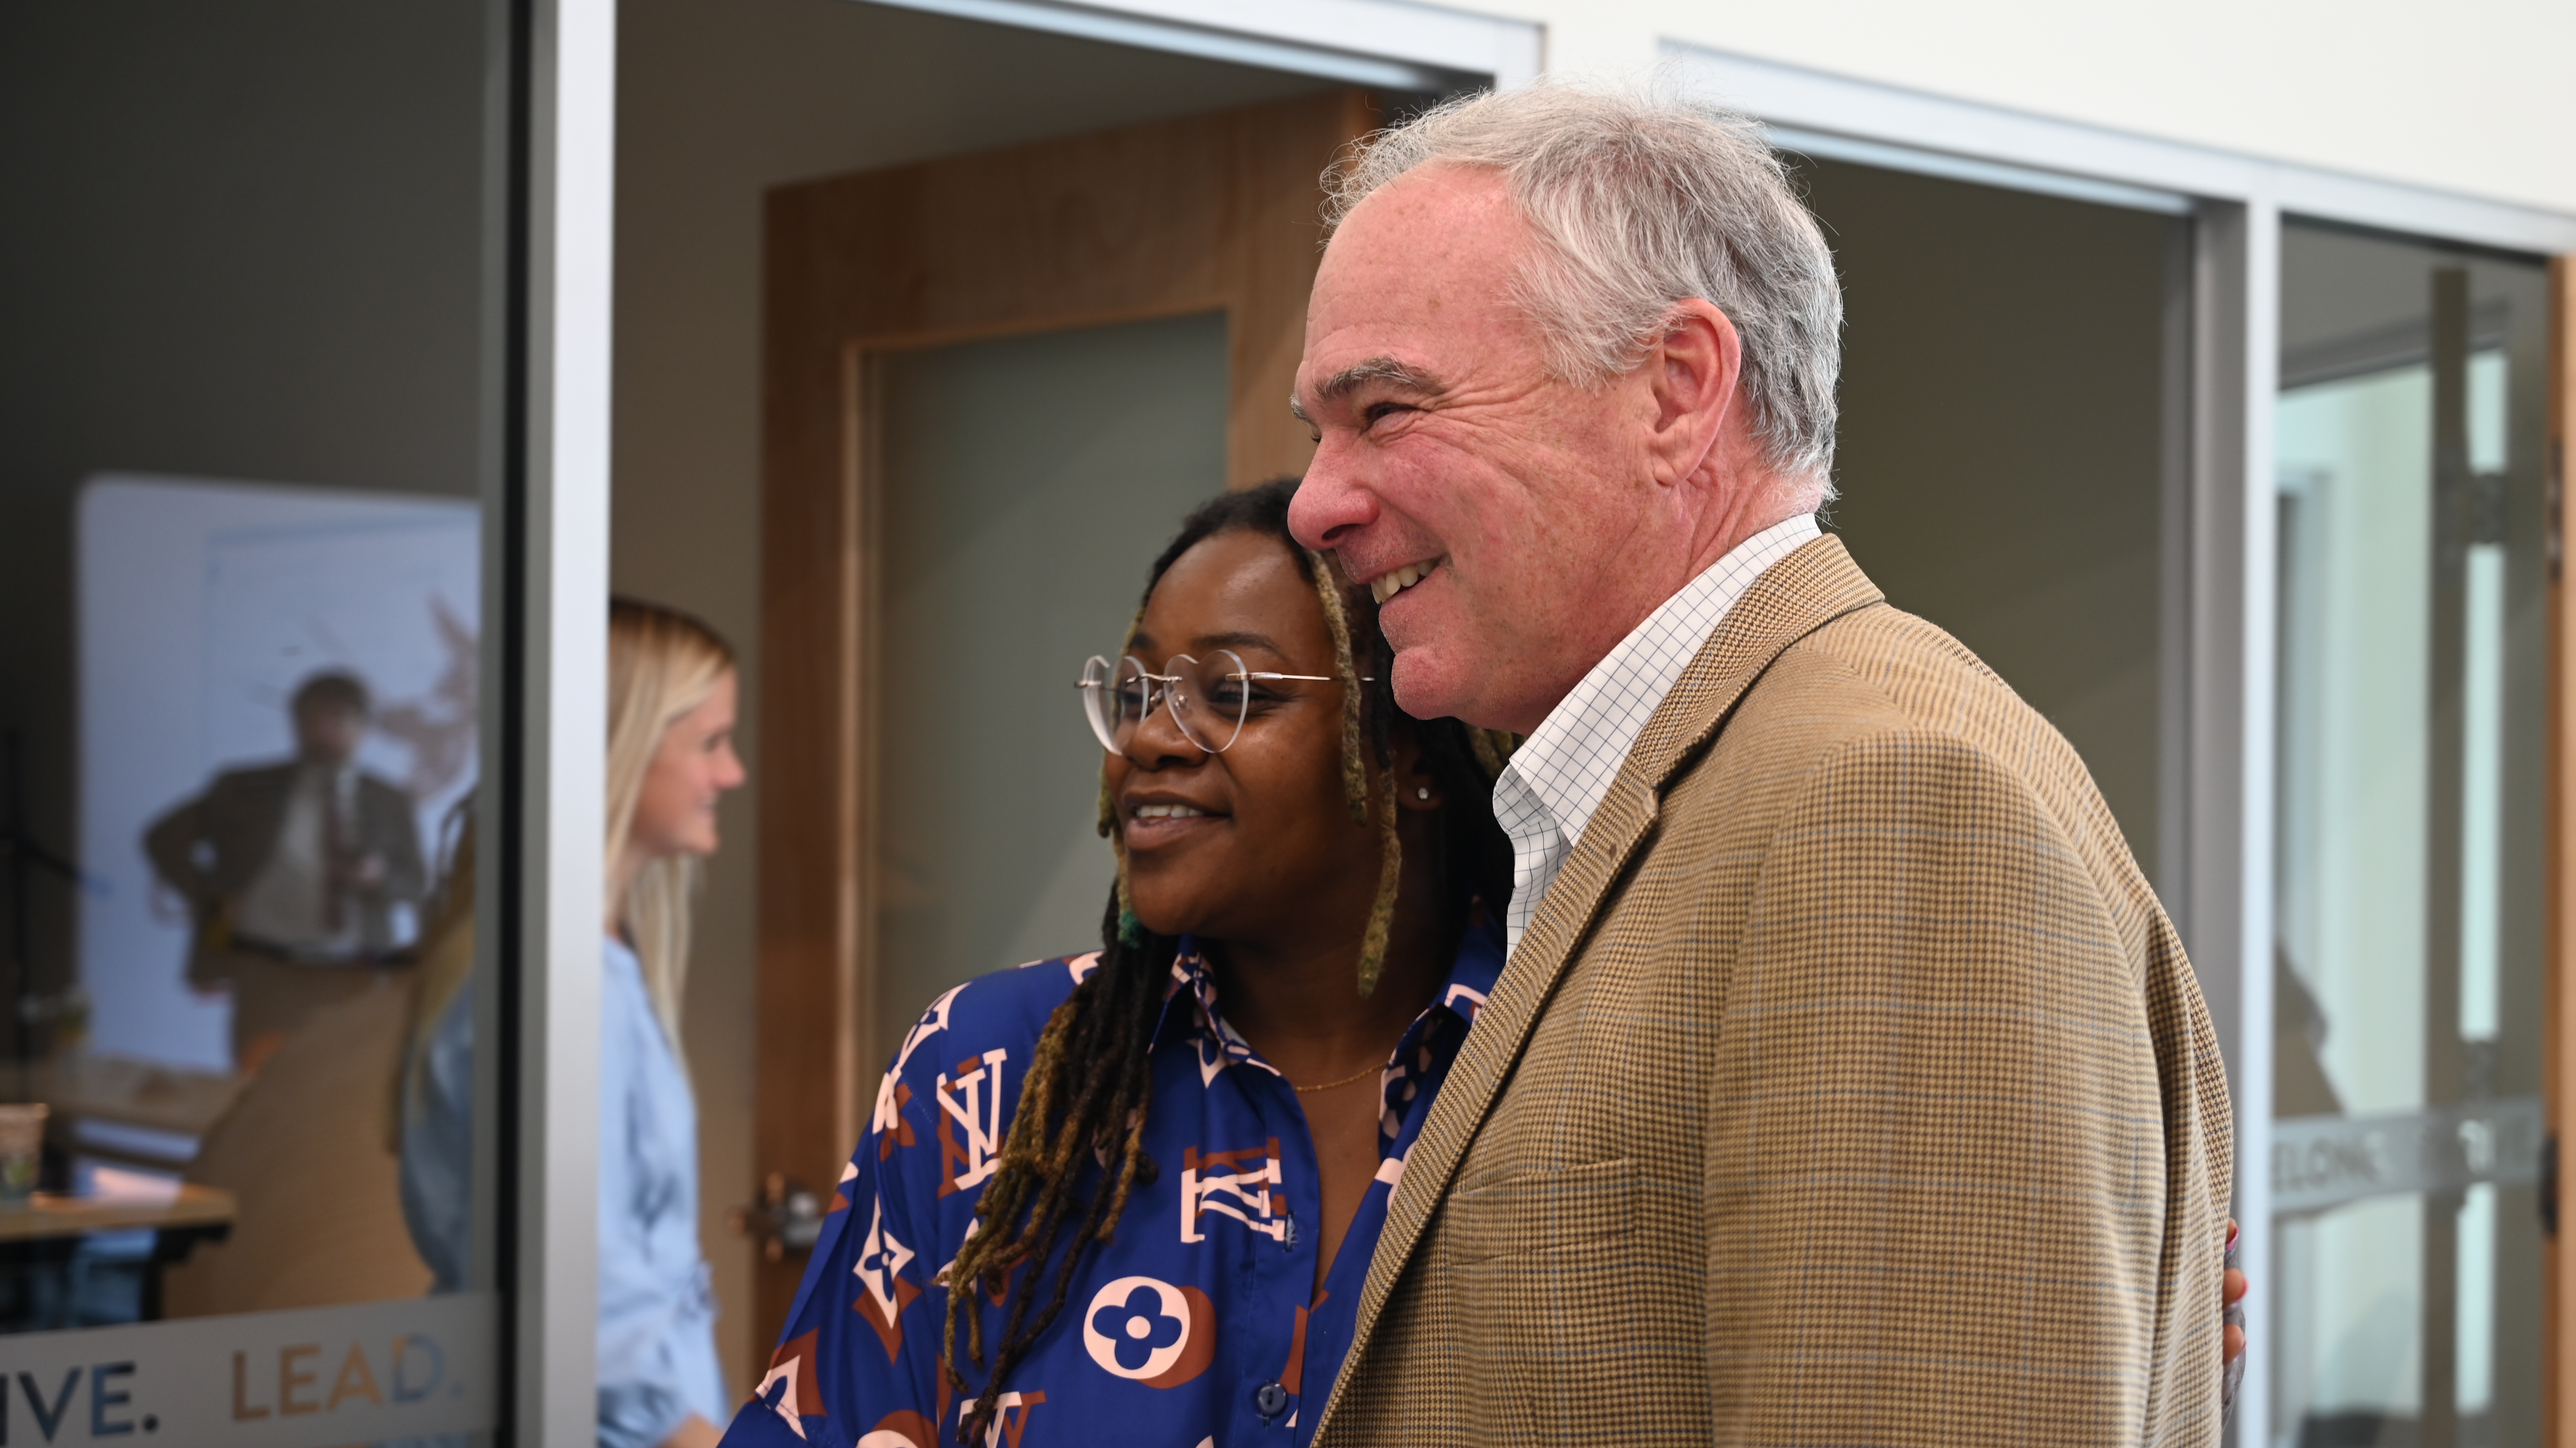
{"x":1209,"y":701}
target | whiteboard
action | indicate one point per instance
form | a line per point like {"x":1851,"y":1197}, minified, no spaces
{"x":202,"y":605}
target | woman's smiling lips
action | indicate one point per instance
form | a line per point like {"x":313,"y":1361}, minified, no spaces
{"x":1158,"y":818}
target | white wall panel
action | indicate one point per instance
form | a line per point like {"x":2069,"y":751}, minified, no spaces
{"x":2465,"y":96}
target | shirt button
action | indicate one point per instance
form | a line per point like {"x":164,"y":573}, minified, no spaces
{"x":1270,"y":1400}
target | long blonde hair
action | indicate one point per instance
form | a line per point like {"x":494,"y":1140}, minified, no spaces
{"x":662,"y":664}
{"x":446,"y":964}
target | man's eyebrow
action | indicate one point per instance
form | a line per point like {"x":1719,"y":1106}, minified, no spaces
{"x":1376,"y":369}
{"x":1379,"y":369}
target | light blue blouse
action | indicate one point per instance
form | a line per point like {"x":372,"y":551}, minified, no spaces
{"x":657,"y":1313}
{"x":657,"y":1351}
{"x":438,"y":1143}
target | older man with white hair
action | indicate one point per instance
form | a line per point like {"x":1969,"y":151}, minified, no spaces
{"x":1847,"y":1084}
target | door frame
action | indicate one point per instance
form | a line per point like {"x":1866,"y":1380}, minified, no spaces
{"x":2558,"y":1294}
{"x":1032,"y":238}
{"x":548,"y":241}
{"x":2217,"y":880}
{"x":1410,"y":47}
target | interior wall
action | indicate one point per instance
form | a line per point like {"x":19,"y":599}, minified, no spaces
{"x":2000,"y":455}
{"x":718,"y":100}
{"x":243,"y":242}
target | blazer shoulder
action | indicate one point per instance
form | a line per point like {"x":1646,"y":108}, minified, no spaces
{"x":1893,"y":649}
{"x":1881,"y":668}
{"x":1855,"y":675}
{"x":250,"y":799}
{"x":1882,"y":671}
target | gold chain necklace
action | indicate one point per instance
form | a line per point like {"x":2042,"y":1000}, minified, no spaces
{"x":1345,"y":1081}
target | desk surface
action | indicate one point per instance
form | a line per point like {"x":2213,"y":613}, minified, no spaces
{"x":51,"y":1215}
{"x":123,"y":1090}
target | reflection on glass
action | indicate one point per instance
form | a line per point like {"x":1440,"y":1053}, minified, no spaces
{"x":277,"y":730}
{"x":326,"y":643}
{"x":240,"y":586}
{"x":2408,"y":964}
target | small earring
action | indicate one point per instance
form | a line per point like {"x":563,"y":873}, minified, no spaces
{"x":1422,"y":791}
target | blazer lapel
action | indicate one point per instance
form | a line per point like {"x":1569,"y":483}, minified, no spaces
{"x":1796,"y":596}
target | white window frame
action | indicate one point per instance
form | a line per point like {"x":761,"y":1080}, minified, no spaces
{"x":1406,"y":46}
{"x":550,"y":231}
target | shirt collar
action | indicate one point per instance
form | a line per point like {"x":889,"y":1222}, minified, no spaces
{"x":1565,"y":766}
{"x":1472,"y":973}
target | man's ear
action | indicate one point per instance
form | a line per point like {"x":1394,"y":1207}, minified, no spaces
{"x":1691,"y":374}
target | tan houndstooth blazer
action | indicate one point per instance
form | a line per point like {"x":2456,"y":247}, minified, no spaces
{"x":1850,"y":1087}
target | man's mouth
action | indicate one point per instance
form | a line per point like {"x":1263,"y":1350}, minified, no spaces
{"x":1396,"y":580}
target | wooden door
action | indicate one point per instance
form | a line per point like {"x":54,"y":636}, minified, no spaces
{"x":1208,"y":214}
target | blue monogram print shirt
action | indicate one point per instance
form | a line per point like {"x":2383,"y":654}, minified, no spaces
{"x":1197,"y":1325}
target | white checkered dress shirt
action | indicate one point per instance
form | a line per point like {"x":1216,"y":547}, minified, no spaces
{"x":1555,"y":780}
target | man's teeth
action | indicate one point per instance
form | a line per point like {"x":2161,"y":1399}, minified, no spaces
{"x":1167,"y":812}
{"x":1388,"y":585}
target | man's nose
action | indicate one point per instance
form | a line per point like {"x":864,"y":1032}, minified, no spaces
{"x":1328,"y":506}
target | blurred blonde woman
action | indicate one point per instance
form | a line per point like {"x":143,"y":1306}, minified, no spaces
{"x":671,"y":702}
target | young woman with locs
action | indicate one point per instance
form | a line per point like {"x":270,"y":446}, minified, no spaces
{"x":1131,"y":1195}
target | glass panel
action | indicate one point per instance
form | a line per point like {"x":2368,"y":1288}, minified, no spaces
{"x":241,"y":606}
{"x":2003,"y":397}
{"x":2413,"y":575}
{"x":1015,"y":544}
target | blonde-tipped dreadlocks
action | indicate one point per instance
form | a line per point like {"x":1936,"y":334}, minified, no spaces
{"x":1390,"y":870}
{"x":1123,"y":922}
{"x":1109,"y":806}
{"x":1088,"y":1086}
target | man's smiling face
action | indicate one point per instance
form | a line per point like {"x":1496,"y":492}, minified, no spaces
{"x":1509,"y":519}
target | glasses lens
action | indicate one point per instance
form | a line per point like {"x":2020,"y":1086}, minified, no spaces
{"x":1114,"y":697}
{"x":1209,"y":698}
